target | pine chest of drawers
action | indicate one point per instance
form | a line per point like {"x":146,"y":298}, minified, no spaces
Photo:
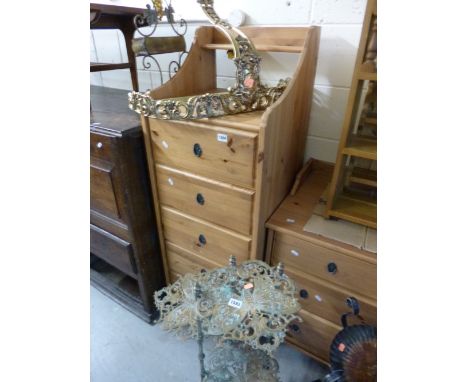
{"x":216,"y":181}
{"x":326,"y":272}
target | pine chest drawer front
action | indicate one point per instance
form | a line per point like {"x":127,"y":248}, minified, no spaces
{"x":329,"y":301}
{"x":220,"y":203}
{"x":214,"y":152}
{"x":112,"y":249}
{"x":351,"y":273}
{"x":182,"y":262}
{"x":205,"y":239}
{"x":314,"y":334}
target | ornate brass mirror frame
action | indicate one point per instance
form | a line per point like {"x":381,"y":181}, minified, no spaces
{"x":247,"y":95}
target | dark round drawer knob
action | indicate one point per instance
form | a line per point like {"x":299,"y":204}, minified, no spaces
{"x":202,"y":239}
{"x":295,"y":328}
{"x":303,"y":293}
{"x":197,"y":150}
{"x":332,"y":268}
{"x":200,"y":199}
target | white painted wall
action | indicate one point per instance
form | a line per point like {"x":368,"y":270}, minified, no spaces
{"x":340,"y":20}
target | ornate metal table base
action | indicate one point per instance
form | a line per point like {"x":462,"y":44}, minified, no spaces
{"x":247,"y":307}
{"x":236,"y":362}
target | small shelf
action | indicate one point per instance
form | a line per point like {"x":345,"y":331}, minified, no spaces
{"x":102,"y":66}
{"x":371,"y":76}
{"x":362,"y":148}
{"x":363,"y":176}
{"x":118,"y":286}
{"x":357,"y":210}
{"x":259,"y":47}
{"x":370,"y":121}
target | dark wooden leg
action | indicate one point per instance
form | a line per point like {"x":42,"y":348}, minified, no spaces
{"x":128,"y":30}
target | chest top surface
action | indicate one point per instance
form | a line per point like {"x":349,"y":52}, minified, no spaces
{"x":110,"y":113}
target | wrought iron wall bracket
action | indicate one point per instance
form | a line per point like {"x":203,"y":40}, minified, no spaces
{"x":148,"y":46}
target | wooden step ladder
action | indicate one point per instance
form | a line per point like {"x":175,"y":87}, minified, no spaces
{"x":353,"y":188}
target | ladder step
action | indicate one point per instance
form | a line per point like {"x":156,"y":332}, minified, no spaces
{"x":362,"y":148}
{"x":357,"y":211}
{"x":363,"y":176}
{"x":370,"y":121}
{"x":371,"y":76}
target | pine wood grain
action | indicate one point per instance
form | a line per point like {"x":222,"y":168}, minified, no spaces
{"x":353,"y":274}
{"x":296,"y":210}
{"x":185,"y":230}
{"x":182,"y":262}
{"x":314,"y":334}
{"x":321,"y":293}
{"x":263,"y":156}
{"x":328,"y":300}
{"x":282,"y":138}
{"x":231,"y":161}
{"x":222,"y":203}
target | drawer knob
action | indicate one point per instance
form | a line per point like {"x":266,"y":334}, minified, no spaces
{"x":200,"y":199}
{"x":332,"y":268}
{"x":197,"y":150}
{"x":295,"y":328}
{"x":303,"y":293}
{"x":99,"y":145}
{"x":202,"y":239}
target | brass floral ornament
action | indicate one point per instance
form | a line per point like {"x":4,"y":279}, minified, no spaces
{"x":247,"y":95}
{"x":251,"y":303}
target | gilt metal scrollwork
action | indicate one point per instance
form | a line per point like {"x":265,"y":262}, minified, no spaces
{"x":248,"y":94}
{"x":252,"y":303}
{"x":246,"y":307}
{"x":235,"y":362}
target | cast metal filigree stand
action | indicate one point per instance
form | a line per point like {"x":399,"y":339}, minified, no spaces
{"x":151,"y":18}
{"x":248,"y":94}
{"x":248,"y":307}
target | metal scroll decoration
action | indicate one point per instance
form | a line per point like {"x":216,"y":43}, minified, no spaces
{"x":251,"y":303}
{"x":152,"y":18}
{"x":235,"y":362}
{"x":247,"y":95}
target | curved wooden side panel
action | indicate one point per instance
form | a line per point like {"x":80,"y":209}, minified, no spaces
{"x":197,"y":74}
{"x":283,"y":137}
{"x":290,"y":116}
{"x":298,"y":94}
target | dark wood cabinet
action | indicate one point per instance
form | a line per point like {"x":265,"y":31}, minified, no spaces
{"x":125,"y":252}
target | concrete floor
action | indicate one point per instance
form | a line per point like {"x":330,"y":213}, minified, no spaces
{"x":126,"y":349}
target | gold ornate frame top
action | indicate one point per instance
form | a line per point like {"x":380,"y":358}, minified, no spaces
{"x":247,"y":95}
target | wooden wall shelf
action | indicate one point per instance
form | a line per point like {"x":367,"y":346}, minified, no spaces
{"x":101,"y":66}
{"x":260,"y":48}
